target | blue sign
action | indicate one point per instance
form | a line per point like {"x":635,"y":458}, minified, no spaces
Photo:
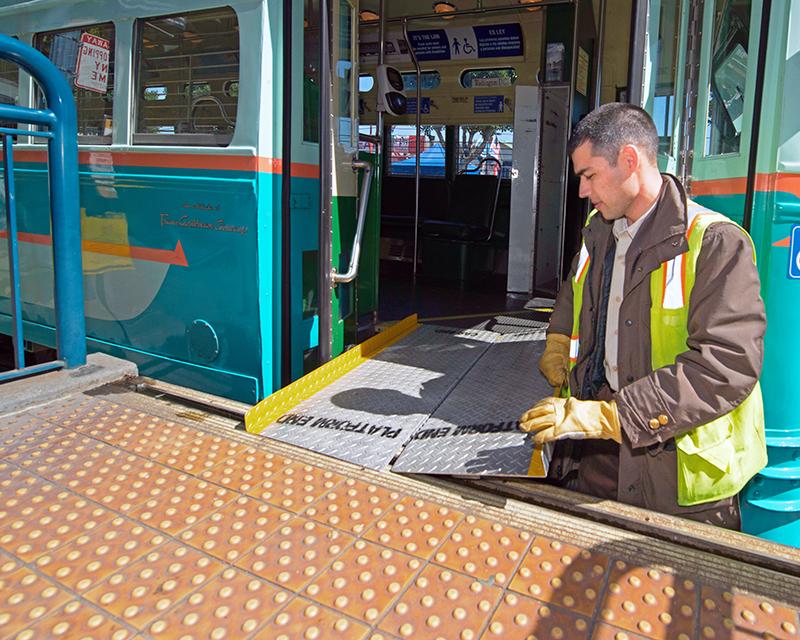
{"x":794,"y":253}
{"x":487,"y":104}
{"x":431,"y":44}
{"x":499,"y":40}
{"x":412,"y":105}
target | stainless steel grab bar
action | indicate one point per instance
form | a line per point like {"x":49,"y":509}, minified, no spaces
{"x":352,"y":270}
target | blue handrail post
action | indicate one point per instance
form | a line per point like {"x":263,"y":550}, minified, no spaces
{"x":13,"y":252}
{"x":61,"y":118}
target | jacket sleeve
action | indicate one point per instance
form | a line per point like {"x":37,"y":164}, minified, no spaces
{"x":726,"y":328}
{"x":561,"y":318}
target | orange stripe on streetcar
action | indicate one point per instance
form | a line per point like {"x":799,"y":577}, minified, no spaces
{"x":174,"y":256}
{"x":210,"y":161}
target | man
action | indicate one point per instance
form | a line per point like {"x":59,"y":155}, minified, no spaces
{"x":656,"y":337}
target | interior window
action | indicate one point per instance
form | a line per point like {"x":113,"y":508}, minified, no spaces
{"x":85,"y":55}
{"x":188,"y":64}
{"x":728,"y":76}
{"x":427,"y":80}
{"x":485,"y":149}
{"x":501,"y":77}
{"x":403,"y":148}
{"x":665,"y":55}
{"x":9,"y":88}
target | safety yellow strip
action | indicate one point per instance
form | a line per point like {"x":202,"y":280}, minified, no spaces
{"x":537,"y":468}
{"x":274,"y":406}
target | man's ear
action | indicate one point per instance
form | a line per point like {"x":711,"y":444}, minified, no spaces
{"x":629,"y":157}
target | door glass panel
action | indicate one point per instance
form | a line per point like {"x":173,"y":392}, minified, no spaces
{"x":311,"y":71}
{"x":728,"y":76}
{"x":345,"y":129}
{"x":665,"y":50}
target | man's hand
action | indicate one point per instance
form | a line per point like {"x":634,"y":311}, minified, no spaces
{"x":560,"y":418}
{"x":554,"y":363}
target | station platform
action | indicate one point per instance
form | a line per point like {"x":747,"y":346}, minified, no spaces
{"x":124,"y":515}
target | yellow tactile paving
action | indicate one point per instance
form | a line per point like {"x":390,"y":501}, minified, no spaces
{"x":724,"y":614}
{"x":76,"y":620}
{"x":296,"y":553}
{"x":353,"y":505}
{"x":50,"y":527}
{"x":186,"y":503}
{"x":487,"y":550}
{"x":296,"y":486}
{"x":115,"y":522}
{"x":153,"y":584}
{"x":236,"y":528}
{"x":414,"y":526}
{"x":563,"y":574}
{"x":441,"y":602}
{"x":650,"y":602}
{"x":246,"y":470}
{"x":520,"y":617}
{"x":25,"y":598}
{"x":364,"y":580}
{"x":85,"y":561}
{"x":305,"y":619}
{"x":201,"y":454}
{"x":232,"y":605}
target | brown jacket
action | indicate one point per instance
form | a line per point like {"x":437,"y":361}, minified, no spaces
{"x":718,"y":371}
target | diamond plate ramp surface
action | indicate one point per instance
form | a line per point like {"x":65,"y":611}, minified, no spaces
{"x":475,"y":430}
{"x":368,"y":414}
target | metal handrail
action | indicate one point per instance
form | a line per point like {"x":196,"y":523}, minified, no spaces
{"x":61,"y":119}
{"x":363,"y":200}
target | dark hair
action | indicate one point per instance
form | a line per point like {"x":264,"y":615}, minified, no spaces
{"x":612,"y":126}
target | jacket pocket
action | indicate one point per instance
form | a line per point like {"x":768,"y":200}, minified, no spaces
{"x":711,"y":443}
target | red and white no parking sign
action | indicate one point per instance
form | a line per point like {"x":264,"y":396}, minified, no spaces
{"x":91,"y":69}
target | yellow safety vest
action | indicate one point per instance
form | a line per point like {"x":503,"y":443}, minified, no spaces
{"x":716,"y":459}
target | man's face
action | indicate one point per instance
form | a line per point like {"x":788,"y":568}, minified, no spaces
{"x":608,"y":187}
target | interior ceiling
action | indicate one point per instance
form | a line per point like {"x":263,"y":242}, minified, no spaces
{"x":400,"y":8}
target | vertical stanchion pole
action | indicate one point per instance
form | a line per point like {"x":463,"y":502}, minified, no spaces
{"x":68,"y":271}
{"x":13,"y":252}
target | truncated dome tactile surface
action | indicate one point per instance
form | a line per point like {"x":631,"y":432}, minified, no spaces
{"x":116,"y":524}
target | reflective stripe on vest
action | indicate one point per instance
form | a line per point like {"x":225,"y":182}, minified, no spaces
{"x":577,"y":296}
{"x":716,"y":459}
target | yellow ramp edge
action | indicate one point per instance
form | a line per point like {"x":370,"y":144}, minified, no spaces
{"x":274,"y":406}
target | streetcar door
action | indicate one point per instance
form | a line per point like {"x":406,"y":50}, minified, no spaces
{"x":659,"y":73}
{"x":344,"y":171}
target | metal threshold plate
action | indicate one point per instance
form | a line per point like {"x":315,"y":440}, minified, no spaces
{"x":475,"y":431}
{"x":367,"y":415}
{"x":453,"y":397}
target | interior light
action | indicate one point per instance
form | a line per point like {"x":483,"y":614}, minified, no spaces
{"x":367,"y":15}
{"x":529,"y":2}
{"x":444,"y":7}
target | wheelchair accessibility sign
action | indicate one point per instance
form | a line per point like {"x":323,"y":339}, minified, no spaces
{"x":794,"y":253}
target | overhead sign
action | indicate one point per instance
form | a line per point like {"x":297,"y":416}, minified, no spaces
{"x":91,"y":68}
{"x":794,"y":253}
{"x":451,"y":43}
{"x":487,"y":104}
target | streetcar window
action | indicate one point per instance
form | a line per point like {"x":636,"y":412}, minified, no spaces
{"x":428,"y":80}
{"x":728,"y":76}
{"x":9,"y":82}
{"x":476,"y":78}
{"x":485,"y":149}
{"x":85,"y":55}
{"x":193,"y":59}
{"x":403,"y":147}
{"x":365,"y":83}
{"x":344,"y":67}
{"x":664,"y":79}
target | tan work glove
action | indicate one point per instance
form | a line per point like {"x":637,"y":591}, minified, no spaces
{"x":559,"y":418}
{"x":554,"y":363}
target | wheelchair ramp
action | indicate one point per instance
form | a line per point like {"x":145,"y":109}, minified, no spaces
{"x":451,"y":397}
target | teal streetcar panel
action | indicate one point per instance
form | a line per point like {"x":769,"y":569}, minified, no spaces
{"x":170,"y":266}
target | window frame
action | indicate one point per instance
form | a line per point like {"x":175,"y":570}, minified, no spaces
{"x":212,"y":140}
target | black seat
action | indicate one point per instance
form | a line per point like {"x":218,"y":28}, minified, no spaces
{"x":473,"y":207}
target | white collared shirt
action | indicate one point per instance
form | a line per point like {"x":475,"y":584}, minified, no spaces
{"x":624,"y":233}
